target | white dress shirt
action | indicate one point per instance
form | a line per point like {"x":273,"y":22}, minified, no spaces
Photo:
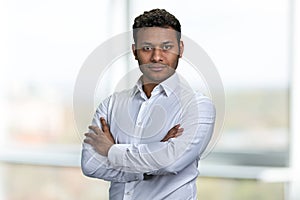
{"x":139,"y":166}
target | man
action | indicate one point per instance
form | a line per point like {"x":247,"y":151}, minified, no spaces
{"x":148,"y":140}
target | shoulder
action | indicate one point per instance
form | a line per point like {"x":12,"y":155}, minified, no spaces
{"x":199,"y":104}
{"x":188,"y":96}
{"x":124,"y":94}
{"x":202,"y":98}
{"x":115,"y":99}
{"x":205,"y":106}
{"x":116,"y":96}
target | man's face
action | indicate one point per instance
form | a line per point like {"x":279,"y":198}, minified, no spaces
{"x":157,"y":52}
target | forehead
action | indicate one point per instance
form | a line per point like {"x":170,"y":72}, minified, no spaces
{"x":156,"y":35}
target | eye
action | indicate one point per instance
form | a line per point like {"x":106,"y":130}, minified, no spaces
{"x":167,"y":47}
{"x":147,"y":48}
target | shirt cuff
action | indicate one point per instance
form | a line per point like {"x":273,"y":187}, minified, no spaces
{"x":117,"y":154}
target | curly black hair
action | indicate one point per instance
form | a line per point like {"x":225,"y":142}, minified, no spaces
{"x":156,"y":18}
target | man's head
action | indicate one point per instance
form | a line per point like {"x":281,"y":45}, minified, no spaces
{"x":156,"y":18}
{"x":157,"y":45}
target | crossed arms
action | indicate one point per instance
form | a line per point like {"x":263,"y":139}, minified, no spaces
{"x":102,"y":158}
{"x":102,"y":139}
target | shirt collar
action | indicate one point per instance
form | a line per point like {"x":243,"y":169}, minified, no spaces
{"x":138,"y":87}
{"x":168,"y":85}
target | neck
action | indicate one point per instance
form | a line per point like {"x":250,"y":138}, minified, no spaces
{"x":148,"y":88}
{"x":149,"y":85}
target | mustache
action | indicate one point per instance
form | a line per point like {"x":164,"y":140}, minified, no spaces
{"x":154,"y":65}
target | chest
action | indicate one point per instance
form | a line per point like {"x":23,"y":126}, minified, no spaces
{"x":144,"y":121}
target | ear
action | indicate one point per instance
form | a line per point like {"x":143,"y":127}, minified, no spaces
{"x":181,"y":48}
{"x":134,"y":51}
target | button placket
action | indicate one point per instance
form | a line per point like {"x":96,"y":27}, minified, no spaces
{"x":142,"y":113}
{"x":129,"y":188}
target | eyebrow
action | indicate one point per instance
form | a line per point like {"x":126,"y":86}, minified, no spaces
{"x":149,"y":43}
{"x":168,"y":42}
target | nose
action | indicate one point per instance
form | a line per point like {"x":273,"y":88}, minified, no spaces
{"x":157,"y":55}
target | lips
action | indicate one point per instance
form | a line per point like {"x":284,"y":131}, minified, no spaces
{"x":156,"y":68}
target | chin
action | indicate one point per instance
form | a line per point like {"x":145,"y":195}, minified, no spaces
{"x":158,"y":79}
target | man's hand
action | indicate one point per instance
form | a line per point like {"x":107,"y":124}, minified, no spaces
{"x":101,"y":140}
{"x":105,"y":129}
{"x":173,"y":133}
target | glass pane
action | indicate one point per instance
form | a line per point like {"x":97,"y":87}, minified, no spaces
{"x":234,"y":189}
{"x":46,"y":42}
{"x":20,"y":182}
{"x":248,"y":42}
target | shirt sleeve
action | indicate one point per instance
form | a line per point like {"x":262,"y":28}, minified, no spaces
{"x":177,"y":153}
{"x":97,"y":166}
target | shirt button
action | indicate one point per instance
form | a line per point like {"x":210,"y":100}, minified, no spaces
{"x":140,"y":123}
{"x":127,"y":193}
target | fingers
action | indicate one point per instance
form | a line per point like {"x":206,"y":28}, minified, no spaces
{"x":173,"y":133}
{"x":173,"y":130}
{"x":96,"y":129}
{"x":104,"y":125}
{"x":179,"y":132}
{"x":91,"y":135}
{"x":106,"y":130}
{"x":89,"y":138}
{"x":176,"y":126}
{"x":99,"y":133}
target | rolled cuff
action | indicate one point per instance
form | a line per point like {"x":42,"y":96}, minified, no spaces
{"x":117,"y":154}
